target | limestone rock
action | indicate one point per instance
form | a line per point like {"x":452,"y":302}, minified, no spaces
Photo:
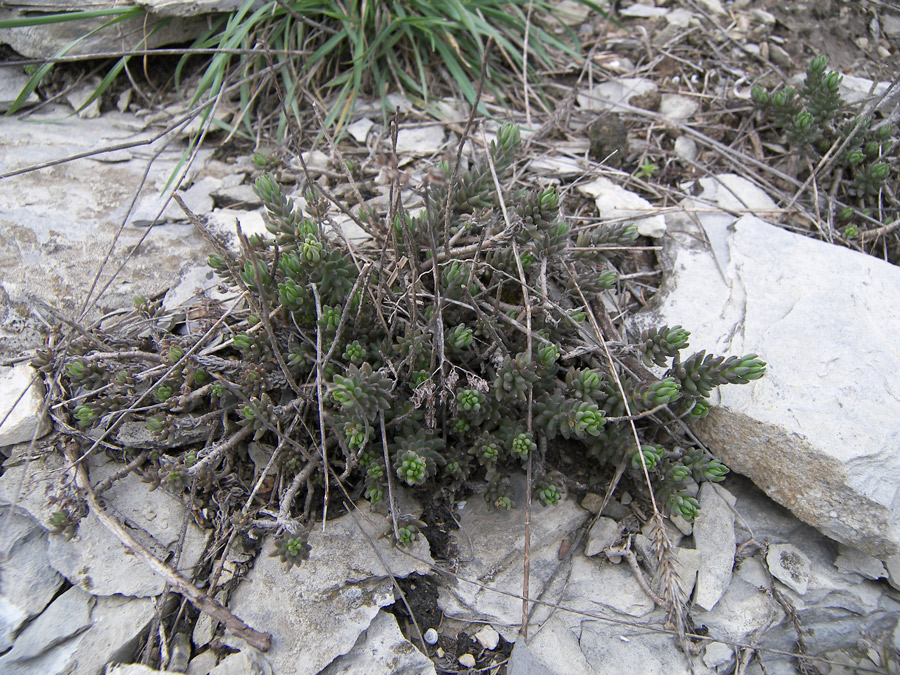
{"x":331,"y":598}
{"x":851,"y":560}
{"x":102,"y":565}
{"x":616,"y":203}
{"x":611,"y":95}
{"x":68,"y":615}
{"x":812,"y":433}
{"x":12,"y":81}
{"x":602,"y":535}
{"x":139,"y":32}
{"x":28,"y":582}
{"x":714,"y":538}
{"x":21,"y":403}
{"x":497,"y":540}
{"x":790,"y":566}
{"x":382,"y":650}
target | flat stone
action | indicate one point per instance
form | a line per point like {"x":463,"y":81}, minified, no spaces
{"x":851,"y":560}
{"x":790,"y":566}
{"x":422,"y":140}
{"x":717,"y":654}
{"x":382,"y":650}
{"x":890,"y":24}
{"x":800,"y":433}
{"x":612,"y":94}
{"x":101,"y":565}
{"x":135,"y":669}
{"x":497,"y":540}
{"x":330,"y":599}
{"x":488,"y":638}
{"x":679,"y":17}
{"x":466,"y":661}
{"x":202,"y":663}
{"x":744,"y":609}
{"x":638,"y":11}
{"x":21,"y":403}
{"x":236,"y":196}
{"x":677,"y":108}
{"x":714,"y":539}
{"x":686,"y":148}
{"x":712,"y":6}
{"x":612,"y":650}
{"x":142,"y":32}
{"x":68,"y":615}
{"x":616,"y":203}
{"x":360,"y":129}
{"x":554,"y":650}
{"x":116,"y":625}
{"x":57,"y":224}
{"x":12,"y":81}
{"x":248,"y":661}
{"x":602,"y":535}
{"x":29,"y":583}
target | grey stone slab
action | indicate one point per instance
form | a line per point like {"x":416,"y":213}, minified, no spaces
{"x":331,"y":598}
{"x":815,"y":433}
{"x":21,"y":405}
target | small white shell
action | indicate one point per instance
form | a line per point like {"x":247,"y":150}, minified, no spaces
{"x":431,"y":636}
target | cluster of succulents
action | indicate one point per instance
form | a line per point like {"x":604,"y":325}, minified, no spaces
{"x":461,"y":357}
{"x":814,"y":118}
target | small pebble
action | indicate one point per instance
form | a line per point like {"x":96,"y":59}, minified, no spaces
{"x":488,"y":638}
{"x":431,"y":636}
{"x":467,"y":661}
{"x":439,"y":652}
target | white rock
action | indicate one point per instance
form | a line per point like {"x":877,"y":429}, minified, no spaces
{"x":715,"y":542}
{"x":359,"y":130}
{"x":331,"y":598}
{"x":893,"y":568}
{"x":382,"y":650}
{"x":854,"y":89}
{"x":643,"y":11}
{"x":676,"y":107}
{"x":890,"y":24}
{"x":712,"y":6}
{"x":316,"y":161}
{"x":29,"y":583}
{"x":812,"y":432}
{"x":222,"y":222}
{"x":134,"y":669}
{"x":488,"y":638}
{"x":686,"y":148}
{"x":202,"y":663}
{"x":617,"y":203}
{"x":764,"y":17}
{"x":103,"y":566}
{"x":467,"y":661}
{"x":248,"y":661}
{"x":717,"y":654}
{"x":602,"y":535}
{"x":571,"y":12}
{"x":687,"y":563}
{"x":790,"y":566}
{"x":557,"y":166}
{"x":12,"y":81}
{"x":679,"y":17}
{"x":182,"y":8}
{"x":851,"y":560}
{"x":21,"y":401}
{"x":497,"y":541}
{"x":78,"y":98}
{"x":422,"y":140}
{"x":68,"y":615}
{"x":612,"y":94}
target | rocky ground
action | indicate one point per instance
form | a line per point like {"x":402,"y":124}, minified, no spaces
{"x":793,"y":563}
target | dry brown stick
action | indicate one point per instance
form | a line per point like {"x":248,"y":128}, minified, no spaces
{"x":526,"y":297}
{"x":197,"y":598}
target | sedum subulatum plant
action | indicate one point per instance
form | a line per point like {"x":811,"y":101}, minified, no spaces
{"x":407,"y":360}
{"x":814,"y":118}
